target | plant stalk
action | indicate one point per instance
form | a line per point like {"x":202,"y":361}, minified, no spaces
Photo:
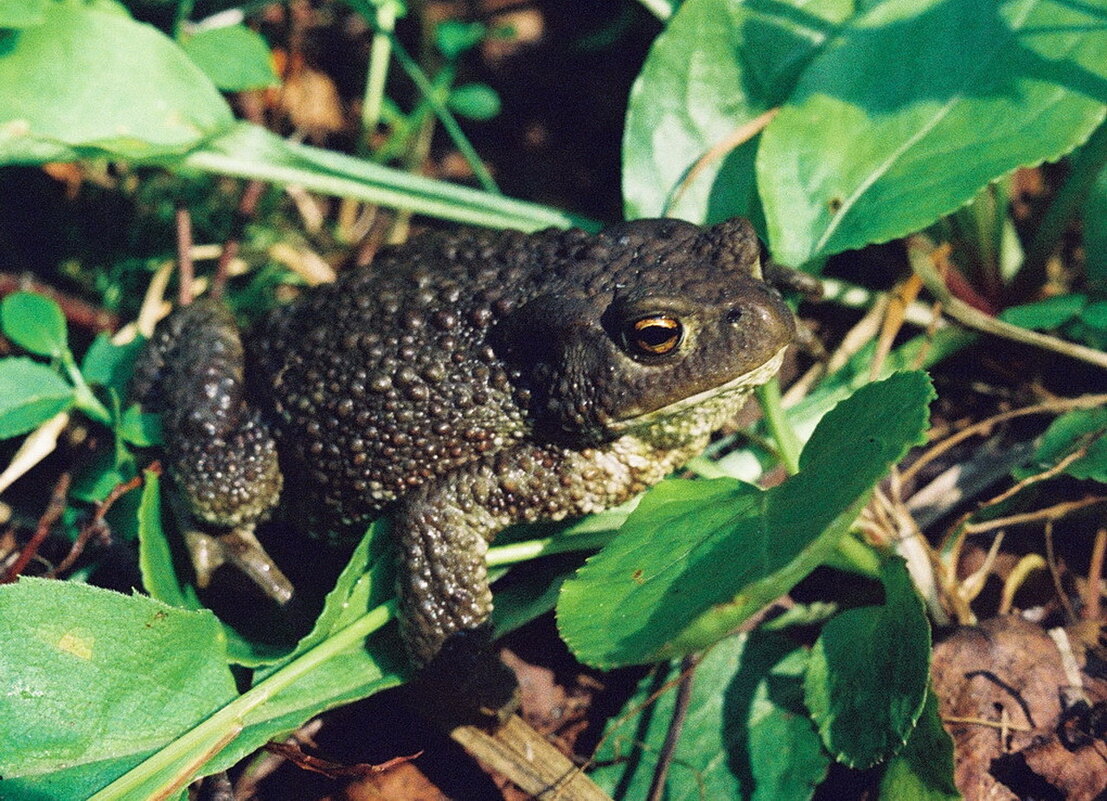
{"x":223,"y":726}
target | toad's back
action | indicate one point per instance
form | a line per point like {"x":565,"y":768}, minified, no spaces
{"x":397,"y":372}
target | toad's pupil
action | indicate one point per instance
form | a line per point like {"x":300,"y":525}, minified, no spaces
{"x":657,"y":334}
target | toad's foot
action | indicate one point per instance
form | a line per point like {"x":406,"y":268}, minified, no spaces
{"x":240,"y":548}
{"x":467,"y":684}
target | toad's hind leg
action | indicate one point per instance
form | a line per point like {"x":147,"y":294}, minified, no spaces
{"x":220,"y":454}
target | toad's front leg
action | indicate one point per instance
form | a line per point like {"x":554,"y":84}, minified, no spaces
{"x":445,"y":526}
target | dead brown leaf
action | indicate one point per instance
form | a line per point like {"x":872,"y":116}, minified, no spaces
{"x":1004,"y":689}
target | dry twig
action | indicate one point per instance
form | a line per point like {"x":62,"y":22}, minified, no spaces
{"x":50,"y":516}
{"x":186,"y":271}
{"x":984,"y":427}
{"x":1093,"y":592}
{"x":676,"y":726}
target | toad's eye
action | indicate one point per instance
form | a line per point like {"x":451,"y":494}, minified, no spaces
{"x":655,"y":335}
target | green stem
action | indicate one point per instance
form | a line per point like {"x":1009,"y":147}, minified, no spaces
{"x":181,"y":15}
{"x":787,"y":442}
{"x":1086,"y":166}
{"x":547,"y":546}
{"x":446,"y":117}
{"x":222,"y":727}
{"x":86,"y":400}
{"x":377,"y":73}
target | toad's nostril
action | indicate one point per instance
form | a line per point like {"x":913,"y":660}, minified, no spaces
{"x":733,"y":315}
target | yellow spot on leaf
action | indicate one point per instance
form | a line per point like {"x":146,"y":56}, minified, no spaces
{"x":15,"y":128}
{"x":77,"y":645}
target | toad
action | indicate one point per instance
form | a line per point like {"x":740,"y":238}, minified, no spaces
{"x":464,"y":382}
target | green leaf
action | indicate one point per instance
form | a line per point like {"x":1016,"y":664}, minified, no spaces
{"x":696,"y":558}
{"x":234,"y":57}
{"x":364,"y":583}
{"x":30,"y":393}
{"x":1094,"y":216}
{"x":866,"y":681}
{"x":111,"y":365}
{"x":335,"y":670}
{"x":746,"y":735}
{"x":155,"y":557}
{"x":35,"y":323}
{"x":475,"y":101}
{"x":339,"y":670}
{"x":1045,"y":314}
{"x":917,"y":104}
{"x":249,"y":151}
{"x":1095,"y":314}
{"x":923,"y":770}
{"x":22,"y":13}
{"x":95,"y":681}
{"x":72,"y":90}
{"x":531,"y":592}
{"x":453,"y":37}
{"x":716,"y":66}
{"x":140,"y":428}
{"x":1081,"y":428}
{"x":101,"y":472}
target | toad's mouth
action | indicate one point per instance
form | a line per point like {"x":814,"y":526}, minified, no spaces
{"x":733,"y":389}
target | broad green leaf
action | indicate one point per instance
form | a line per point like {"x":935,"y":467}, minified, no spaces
{"x":30,"y":393}
{"x":95,"y":681}
{"x":1081,"y":428}
{"x":234,"y":57}
{"x":110,"y":365}
{"x":716,"y":66}
{"x":696,"y":558}
{"x":1045,"y":314}
{"x":746,"y":735}
{"x":866,"y":680}
{"x":339,"y":670}
{"x":89,"y":82}
{"x":917,"y":104}
{"x":35,"y":323}
{"x":22,"y":13}
{"x":923,"y":770}
{"x":475,"y":101}
{"x":332,"y":667}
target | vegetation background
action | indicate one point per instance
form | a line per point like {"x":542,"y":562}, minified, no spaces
{"x":889,"y":585}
